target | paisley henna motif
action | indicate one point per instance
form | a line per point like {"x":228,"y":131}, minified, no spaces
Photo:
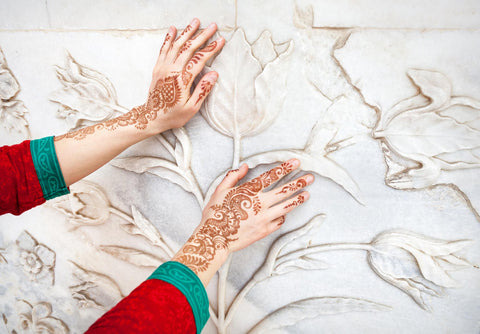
{"x":219,"y":231}
{"x":164,"y":96}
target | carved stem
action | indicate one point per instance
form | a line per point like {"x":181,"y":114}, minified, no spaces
{"x":122,"y":215}
{"x":290,"y":256}
{"x":166,"y":144}
{"x":223,"y":272}
{"x":322,"y":248}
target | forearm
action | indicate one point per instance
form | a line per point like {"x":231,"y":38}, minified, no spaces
{"x":82,"y":152}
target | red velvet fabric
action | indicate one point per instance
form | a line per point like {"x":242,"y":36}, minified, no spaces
{"x":154,"y":306}
{"x":20,"y":189}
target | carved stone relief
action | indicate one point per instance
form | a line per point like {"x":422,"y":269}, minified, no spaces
{"x":423,"y":140}
{"x":12,"y":110}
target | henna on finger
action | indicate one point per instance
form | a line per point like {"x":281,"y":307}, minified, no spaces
{"x":206,"y":86}
{"x":196,"y":59}
{"x":292,"y":187}
{"x":300,"y":200}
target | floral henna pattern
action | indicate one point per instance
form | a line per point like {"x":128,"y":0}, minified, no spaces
{"x":282,"y":220}
{"x":292,"y":187}
{"x":164,"y":96}
{"x":218,"y":232}
{"x":295,"y":203}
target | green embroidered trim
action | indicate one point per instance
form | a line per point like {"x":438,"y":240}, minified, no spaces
{"x":47,"y":167}
{"x":185,"y":280}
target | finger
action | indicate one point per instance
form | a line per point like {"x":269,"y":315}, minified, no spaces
{"x":167,"y":43}
{"x":273,"y":175}
{"x":197,"y":62}
{"x":188,"y":32}
{"x":231,"y":179}
{"x":190,"y":46}
{"x":281,"y":193}
{"x":202,"y":90}
{"x":283,"y":208}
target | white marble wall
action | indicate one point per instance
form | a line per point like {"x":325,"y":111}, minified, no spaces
{"x":380,"y":99}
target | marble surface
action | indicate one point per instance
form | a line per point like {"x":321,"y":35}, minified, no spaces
{"x":380,"y":99}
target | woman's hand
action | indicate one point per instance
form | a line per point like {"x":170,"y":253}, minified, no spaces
{"x":237,"y":216}
{"x":170,"y":103}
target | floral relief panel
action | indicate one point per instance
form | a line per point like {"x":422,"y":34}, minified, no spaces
{"x":386,"y":117}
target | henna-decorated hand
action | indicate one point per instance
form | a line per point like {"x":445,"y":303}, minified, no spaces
{"x":237,"y":216}
{"x":170,"y":102}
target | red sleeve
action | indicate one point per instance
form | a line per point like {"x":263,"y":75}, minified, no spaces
{"x":153,"y":307}
{"x":20,"y":188}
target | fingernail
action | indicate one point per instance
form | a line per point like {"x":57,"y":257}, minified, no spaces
{"x":193,"y":21}
{"x":211,"y":25}
{"x":170,"y":30}
{"x":295,"y":162}
{"x":309,"y":179}
{"x":306,"y":196}
{"x":213,"y":77}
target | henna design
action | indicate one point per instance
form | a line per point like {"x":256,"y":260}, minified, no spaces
{"x":167,"y":39}
{"x":197,"y":57}
{"x":292,"y":187}
{"x":186,"y":30}
{"x":282,"y":220}
{"x":218,"y":232}
{"x":206,"y":87}
{"x":300,"y":200}
{"x":164,"y":96}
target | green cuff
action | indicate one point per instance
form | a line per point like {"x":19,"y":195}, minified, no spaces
{"x":47,"y":167}
{"x":185,"y":280}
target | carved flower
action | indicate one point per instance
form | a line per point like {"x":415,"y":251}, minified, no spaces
{"x":12,"y":111}
{"x":38,"y":319}
{"x":87,"y":96}
{"x":250,"y":91}
{"x":428,"y":133}
{"x":416,"y":264}
{"x":86,"y":204}
{"x":36,"y":259}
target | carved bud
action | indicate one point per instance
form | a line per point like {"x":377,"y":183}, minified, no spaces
{"x":416,"y":264}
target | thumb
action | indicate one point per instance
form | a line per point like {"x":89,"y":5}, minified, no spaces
{"x":231,"y":179}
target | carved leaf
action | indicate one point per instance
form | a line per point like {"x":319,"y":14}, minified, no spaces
{"x":415,"y":263}
{"x":280,"y":245}
{"x":270,"y":89}
{"x":241,"y":101}
{"x":8,"y":84}
{"x":134,"y":256}
{"x":157,"y":166}
{"x":142,"y":226}
{"x":94,"y":289}
{"x":429,"y":134}
{"x":12,"y":117}
{"x":230,"y":108}
{"x":87,"y":96}
{"x":302,"y":263}
{"x":295,"y":312}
